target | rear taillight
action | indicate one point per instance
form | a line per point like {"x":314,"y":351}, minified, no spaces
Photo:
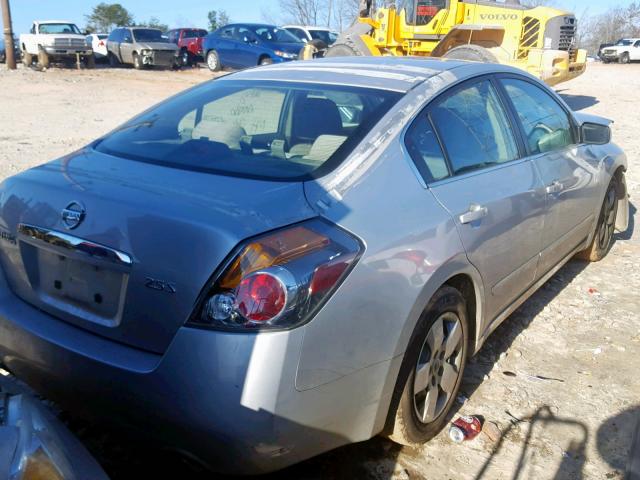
{"x":101,"y":44}
{"x":279,"y":280}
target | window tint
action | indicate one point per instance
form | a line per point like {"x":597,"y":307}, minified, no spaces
{"x":546,"y":125}
{"x":425,"y":150}
{"x":298,"y":33}
{"x":258,"y":129}
{"x":126,"y":36}
{"x":474,"y":128}
{"x":637,"y":44}
{"x":227,"y":32}
{"x":115,"y":35}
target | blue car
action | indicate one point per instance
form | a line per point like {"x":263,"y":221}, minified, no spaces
{"x":248,"y":45}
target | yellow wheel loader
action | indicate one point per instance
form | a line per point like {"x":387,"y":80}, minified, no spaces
{"x":540,"y":40}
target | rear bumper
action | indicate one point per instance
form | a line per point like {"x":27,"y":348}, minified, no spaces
{"x":228,"y":399}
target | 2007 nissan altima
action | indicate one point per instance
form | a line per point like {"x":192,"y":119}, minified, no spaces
{"x":292,"y":258}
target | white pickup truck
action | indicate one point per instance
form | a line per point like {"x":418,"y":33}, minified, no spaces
{"x":55,"y":40}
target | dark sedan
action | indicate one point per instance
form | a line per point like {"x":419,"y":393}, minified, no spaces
{"x":248,"y":45}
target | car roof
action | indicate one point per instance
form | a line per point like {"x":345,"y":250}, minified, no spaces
{"x":307,"y":27}
{"x":44,"y":22}
{"x":387,"y":73}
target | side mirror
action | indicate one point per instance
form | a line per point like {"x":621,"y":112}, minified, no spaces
{"x":595,"y":133}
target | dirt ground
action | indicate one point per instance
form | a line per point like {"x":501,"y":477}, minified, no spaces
{"x":581,"y":331}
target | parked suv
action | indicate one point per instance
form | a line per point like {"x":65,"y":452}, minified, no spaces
{"x":189,"y":42}
{"x":141,"y":47}
{"x":625,"y":50}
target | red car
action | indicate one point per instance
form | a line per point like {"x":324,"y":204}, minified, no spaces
{"x":189,"y":40}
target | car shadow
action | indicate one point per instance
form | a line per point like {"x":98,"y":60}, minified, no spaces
{"x":628,"y":233}
{"x":578,"y":102}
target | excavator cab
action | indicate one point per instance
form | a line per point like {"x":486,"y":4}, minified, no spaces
{"x":419,"y":13}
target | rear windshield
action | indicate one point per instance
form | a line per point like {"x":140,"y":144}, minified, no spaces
{"x":258,"y":129}
{"x":149,"y":35}
{"x":195,"y":33}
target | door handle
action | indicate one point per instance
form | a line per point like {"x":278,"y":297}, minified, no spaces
{"x":555,"y":187}
{"x":475,"y":212}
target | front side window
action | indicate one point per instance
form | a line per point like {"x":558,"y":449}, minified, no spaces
{"x":474,"y":128}
{"x":54,"y":28}
{"x":258,"y":129}
{"x":421,"y":12}
{"x":545,"y":123}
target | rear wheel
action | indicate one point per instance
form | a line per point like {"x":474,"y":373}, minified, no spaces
{"x":474,"y":53}
{"x":343,"y":50}
{"x":213,"y":61}
{"x":624,"y":58}
{"x":605,"y":228}
{"x":113,"y":60}
{"x":185,"y":58}
{"x":432,"y":369}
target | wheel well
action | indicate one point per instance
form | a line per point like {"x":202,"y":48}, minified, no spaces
{"x":262,"y":57}
{"x":464,"y":285}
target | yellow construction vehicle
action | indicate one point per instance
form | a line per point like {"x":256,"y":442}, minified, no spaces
{"x":540,"y":40}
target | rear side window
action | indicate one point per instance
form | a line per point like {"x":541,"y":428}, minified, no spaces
{"x":259,"y":129}
{"x":424,"y":148}
{"x":546,"y":124}
{"x":474,"y":128}
{"x":115,"y":35}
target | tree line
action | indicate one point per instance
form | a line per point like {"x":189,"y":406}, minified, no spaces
{"x":106,"y":16}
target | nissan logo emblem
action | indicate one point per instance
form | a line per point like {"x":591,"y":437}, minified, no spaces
{"x":73,"y":215}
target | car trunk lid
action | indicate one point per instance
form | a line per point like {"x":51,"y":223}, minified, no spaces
{"x":147,"y":239}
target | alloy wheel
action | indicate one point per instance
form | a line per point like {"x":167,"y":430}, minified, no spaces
{"x":607,"y":219}
{"x":212,"y":61}
{"x":438,"y":367}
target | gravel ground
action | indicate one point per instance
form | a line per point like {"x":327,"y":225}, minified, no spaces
{"x":581,"y":330}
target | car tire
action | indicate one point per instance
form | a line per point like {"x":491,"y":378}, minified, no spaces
{"x":113,"y":60}
{"x":605,"y":228}
{"x":431,"y":370}
{"x":137,"y":61}
{"x":265,"y":61}
{"x":624,"y":58}
{"x":185,"y":58}
{"x":213,"y":61}
{"x":343,"y":50}
{"x":43,"y":59}
{"x":474,"y":53}
{"x":27,"y":58}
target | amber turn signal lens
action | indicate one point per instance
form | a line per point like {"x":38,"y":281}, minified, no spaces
{"x":275,"y":249}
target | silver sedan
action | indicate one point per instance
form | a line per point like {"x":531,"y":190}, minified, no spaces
{"x":292,"y":258}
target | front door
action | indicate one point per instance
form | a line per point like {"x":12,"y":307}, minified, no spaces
{"x":126,"y":47}
{"x":493,"y":194}
{"x":569,"y":180}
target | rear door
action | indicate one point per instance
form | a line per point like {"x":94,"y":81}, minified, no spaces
{"x":494,"y":195}
{"x":569,"y":180}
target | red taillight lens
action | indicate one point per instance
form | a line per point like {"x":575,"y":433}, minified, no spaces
{"x":101,"y":44}
{"x":261,"y":297}
{"x":280,"y":279}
